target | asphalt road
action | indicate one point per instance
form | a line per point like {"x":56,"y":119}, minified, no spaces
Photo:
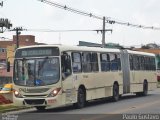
{"x":129,"y":106}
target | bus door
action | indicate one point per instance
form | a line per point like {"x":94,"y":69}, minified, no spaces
{"x":67,"y":79}
{"x":126,"y":71}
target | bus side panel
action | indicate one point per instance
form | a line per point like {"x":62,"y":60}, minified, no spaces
{"x":152,"y":81}
{"x":105,"y":81}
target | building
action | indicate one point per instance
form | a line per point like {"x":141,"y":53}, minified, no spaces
{"x":7,"y":49}
{"x":155,"y":51}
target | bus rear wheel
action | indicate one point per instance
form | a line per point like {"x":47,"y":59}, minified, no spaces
{"x":81,"y":99}
{"x":40,"y":108}
{"x":115,"y":96}
{"x":145,"y":89}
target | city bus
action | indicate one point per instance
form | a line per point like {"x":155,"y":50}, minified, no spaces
{"x":158,"y":67}
{"x":59,"y":75}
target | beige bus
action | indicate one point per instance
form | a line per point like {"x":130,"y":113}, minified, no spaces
{"x":58,"y":75}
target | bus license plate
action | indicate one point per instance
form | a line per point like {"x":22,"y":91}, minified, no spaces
{"x":51,"y":101}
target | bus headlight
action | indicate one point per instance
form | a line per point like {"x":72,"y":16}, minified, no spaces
{"x":17,"y":94}
{"x":54,"y":92}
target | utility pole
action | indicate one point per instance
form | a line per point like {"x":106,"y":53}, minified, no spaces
{"x":17,"y":29}
{"x":104,"y":32}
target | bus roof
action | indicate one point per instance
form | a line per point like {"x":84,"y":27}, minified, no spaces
{"x":76,"y":48}
{"x":85,"y":48}
{"x":140,"y":53}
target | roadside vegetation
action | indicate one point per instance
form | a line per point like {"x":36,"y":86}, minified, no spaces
{"x":10,"y":107}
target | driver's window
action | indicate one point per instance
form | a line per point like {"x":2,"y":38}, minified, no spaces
{"x":66,"y":65}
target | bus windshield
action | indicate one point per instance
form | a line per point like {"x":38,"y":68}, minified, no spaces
{"x":36,"y":72}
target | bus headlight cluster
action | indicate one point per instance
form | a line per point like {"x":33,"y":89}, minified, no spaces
{"x":17,"y":94}
{"x":54,"y":92}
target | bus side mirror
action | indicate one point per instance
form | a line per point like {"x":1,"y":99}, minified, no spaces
{"x":8,"y":66}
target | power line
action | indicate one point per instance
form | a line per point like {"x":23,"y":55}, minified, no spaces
{"x":108,"y":19}
{"x":49,"y":30}
{"x":70,"y":9}
{"x":137,"y":25}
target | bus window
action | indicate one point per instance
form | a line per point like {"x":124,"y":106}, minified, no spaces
{"x":147,"y":63}
{"x":94,"y":62}
{"x":135,"y":62}
{"x":114,"y":64}
{"x":119,"y":61}
{"x":153,"y":64}
{"x":86,"y":64}
{"x":158,"y":61}
{"x":142,"y":63}
{"x":76,"y":62}
{"x":105,"y":62}
{"x":66,"y":65}
{"x":131,"y":62}
{"x":138,"y":62}
{"x":47,"y":71}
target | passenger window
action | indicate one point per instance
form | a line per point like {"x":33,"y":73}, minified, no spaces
{"x":76,"y":62}
{"x":135,"y":62}
{"x":114,"y":64}
{"x":119,"y":61}
{"x":105,"y":62}
{"x":131,"y":62}
{"x":147,"y":66}
{"x":86,"y":62}
{"x":94,"y":62}
{"x":152,"y":62}
{"x":142,"y":64}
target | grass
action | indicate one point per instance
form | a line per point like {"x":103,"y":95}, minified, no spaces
{"x":10,"y":107}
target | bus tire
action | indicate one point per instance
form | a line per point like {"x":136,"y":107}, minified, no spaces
{"x":115,"y":96}
{"x":145,"y":88}
{"x":81,"y":99}
{"x":40,"y":108}
{"x":138,"y":94}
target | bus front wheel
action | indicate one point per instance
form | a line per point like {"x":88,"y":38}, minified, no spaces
{"x":81,"y":99}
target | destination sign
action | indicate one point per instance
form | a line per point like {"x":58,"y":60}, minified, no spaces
{"x":37,"y":52}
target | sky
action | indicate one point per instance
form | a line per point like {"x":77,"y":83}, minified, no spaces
{"x":33,"y":14}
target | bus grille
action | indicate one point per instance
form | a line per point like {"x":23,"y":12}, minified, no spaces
{"x":34,"y":101}
{"x":35,"y":95}
{"x":35,"y":90}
